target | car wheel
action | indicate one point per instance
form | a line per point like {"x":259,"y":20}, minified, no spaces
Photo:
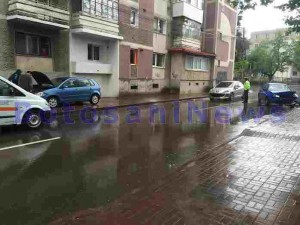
{"x":231,"y":97}
{"x":33,"y":119}
{"x":53,"y":102}
{"x":211,"y":99}
{"x":95,"y":99}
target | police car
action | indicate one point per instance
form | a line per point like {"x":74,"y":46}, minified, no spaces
{"x":18,"y":106}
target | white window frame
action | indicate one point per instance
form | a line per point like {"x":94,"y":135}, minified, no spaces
{"x":136,"y":17}
{"x":204,"y":63}
{"x":155,"y":55}
{"x":156,"y":24}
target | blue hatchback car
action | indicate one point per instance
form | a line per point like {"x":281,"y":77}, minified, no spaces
{"x":276,"y":93}
{"x":70,"y":90}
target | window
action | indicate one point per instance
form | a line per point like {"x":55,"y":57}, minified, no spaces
{"x":84,"y":83}
{"x":133,"y":56}
{"x":7,"y":90}
{"x":197,"y":63}
{"x":104,"y":8}
{"x":158,"y":60}
{"x":73,"y":83}
{"x":183,"y":27}
{"x":295,"y":73}
{"x":94,"y":52}
{"x":134,"y":17}
{"x":28,"y":44}
{"x":159,"y":26}
{"x":196,"y":3}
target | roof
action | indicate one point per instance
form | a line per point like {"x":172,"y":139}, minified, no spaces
{"x":192,"y":51}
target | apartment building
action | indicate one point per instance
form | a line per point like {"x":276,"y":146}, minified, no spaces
{"x":259,"y":37}
{"x":62,"y":38}
{"x":143,"y":52}
{"x":128,"y":46}
{"x":203,"y":43}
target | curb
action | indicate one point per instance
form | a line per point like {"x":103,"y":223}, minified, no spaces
{"x":60,"y":111}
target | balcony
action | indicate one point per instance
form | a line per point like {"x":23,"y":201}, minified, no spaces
{"x":97,"y":19}
{"x":184,"y":42}
{"x":182,"y":8}
{"x":91,"y":68}
{"x":42,"y":12}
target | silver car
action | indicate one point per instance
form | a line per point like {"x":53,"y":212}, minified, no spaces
{"x":227,"y":90}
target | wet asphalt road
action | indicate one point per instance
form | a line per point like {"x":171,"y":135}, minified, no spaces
{"x":63,"y":169}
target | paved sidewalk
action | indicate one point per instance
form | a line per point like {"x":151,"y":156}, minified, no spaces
{"x":254,"y":179}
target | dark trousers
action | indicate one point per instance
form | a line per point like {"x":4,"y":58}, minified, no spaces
{"x":246,"y":95}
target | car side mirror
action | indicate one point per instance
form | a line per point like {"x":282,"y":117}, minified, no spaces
{"x":63,"y":87}
{"x":236,"y":87}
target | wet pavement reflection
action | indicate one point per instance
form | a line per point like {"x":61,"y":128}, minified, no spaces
{"x":91,"y":166}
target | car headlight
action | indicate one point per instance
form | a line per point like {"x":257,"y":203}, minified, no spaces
{"x":296,"y":96}
{"x":226,"y":92}
{"x":41,"y":94}
{"x":276,"y":96}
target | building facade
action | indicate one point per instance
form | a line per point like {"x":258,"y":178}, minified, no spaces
{"x":62,"y":38}
{"x":143,"y":52}
{"x":128,"y":46}
{"x":259,"y":37}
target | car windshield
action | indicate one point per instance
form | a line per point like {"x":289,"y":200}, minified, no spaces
{"x":279,"y":87}
{"x":224,"y":84}
{"x":57,"y":81}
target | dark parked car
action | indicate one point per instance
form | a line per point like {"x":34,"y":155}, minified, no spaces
{"x":276,"y":93}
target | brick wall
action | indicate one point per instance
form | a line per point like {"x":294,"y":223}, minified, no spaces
{"x":124,"y":62}
{"x":142,"y":34}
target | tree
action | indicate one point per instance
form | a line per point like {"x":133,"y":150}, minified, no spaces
{"x":292,"y":6}
{"x":270,"y":57}
{"x":241,"y":67}
{"x":295,"y":55}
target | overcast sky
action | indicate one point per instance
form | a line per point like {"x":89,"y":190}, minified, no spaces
{"x":264,"y":18}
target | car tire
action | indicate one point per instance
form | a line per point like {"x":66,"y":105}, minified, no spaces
{"x":53,"y":102}
{"x":211,"y":99}
{"x":231,"y":97}
{"x":95,"y":99}
{"x":33,"y":119}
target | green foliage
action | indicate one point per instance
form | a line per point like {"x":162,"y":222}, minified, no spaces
{"x":270,"y":57}
{"x":295,"y":55}
{"x":241,"y":67}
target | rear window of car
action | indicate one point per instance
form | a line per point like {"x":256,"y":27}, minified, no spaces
{"x":224,"y":84}
{"x":279,"y":87}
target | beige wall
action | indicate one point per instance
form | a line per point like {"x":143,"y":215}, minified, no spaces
{"x":158,"y":73}
{"x":160,"y":43}
{"x":34,"y":63}
{"x":193,"y":87}
{"x":161,"y":8}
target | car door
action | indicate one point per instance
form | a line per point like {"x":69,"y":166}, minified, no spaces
{"x":84,"y":90}
{"x":68,"y":91}
{"x":9,"y":97}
